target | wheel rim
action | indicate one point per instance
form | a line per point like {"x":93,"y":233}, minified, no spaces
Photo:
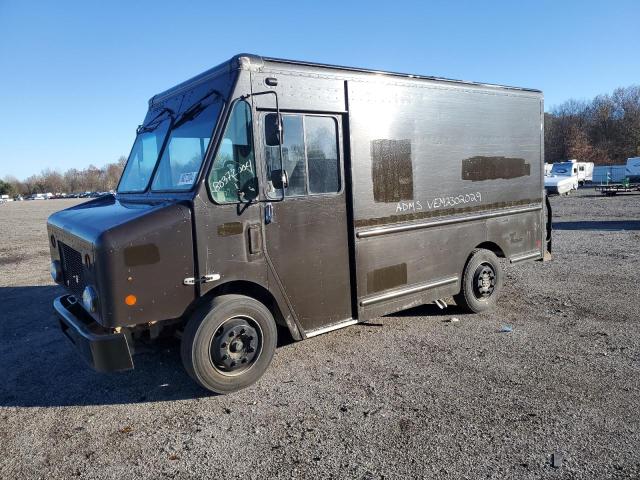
{"x":484,"y":281}
{"x":236,"y":345}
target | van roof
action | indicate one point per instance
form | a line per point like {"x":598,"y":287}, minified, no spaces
{"x":248,"y":60}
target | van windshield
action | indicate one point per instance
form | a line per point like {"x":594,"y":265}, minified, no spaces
{"x":187,"y":145}
{"x":185,"y":136}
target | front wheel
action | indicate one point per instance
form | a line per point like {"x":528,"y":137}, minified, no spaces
{"x":228,"y":343}
{"x":481,"y":282}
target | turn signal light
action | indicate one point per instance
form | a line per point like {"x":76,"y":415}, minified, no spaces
{"x":130,"y":300}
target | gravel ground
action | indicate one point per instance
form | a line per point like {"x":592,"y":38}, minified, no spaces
{"x":410,"y":395}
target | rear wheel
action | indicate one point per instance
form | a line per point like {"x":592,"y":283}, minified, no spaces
{"x":481,"y":282}
{"x":228,"y":344}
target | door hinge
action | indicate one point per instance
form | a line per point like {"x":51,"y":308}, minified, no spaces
{"x":212,"y":277}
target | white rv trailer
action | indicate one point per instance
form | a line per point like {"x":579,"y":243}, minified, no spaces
{"x":563,"y":178}
{"x":585,"y":172}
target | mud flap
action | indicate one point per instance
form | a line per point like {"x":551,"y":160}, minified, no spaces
{"x":549,"y":216}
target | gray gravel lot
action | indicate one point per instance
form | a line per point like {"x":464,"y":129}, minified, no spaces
{"x":410,"y":395}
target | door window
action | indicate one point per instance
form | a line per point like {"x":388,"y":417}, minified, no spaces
{"x":310,"y":157}
{"x":322,"y":154}
{"x":233,"y":178}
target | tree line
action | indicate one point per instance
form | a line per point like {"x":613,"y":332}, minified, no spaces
{"x":90,"y":179}
{"x":604,"y":130}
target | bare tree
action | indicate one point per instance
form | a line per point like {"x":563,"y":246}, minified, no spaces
{"x":605,"y":130}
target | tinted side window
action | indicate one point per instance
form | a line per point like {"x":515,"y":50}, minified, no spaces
{"x":322,"y":154}
{"x":232,"y":176}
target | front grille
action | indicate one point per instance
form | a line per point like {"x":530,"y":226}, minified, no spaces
{"x":72,"y":271}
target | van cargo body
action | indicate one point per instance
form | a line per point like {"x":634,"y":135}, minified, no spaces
{"x":304,"y":195}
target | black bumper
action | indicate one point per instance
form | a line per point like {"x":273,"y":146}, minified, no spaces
{"x":104,"y":350}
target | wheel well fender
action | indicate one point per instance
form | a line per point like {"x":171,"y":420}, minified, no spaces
{"x":491,"y":246}
{"x":255,"y":291}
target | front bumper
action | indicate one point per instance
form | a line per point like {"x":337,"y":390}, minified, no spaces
{"x":104,"y":350}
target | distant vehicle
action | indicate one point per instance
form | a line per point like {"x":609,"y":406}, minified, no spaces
{"x":633,"y":169}
{"x":585,"y":172}
{"x":37,"y":196}
{"x":327,"y":196}
{"x":18,"y":198}
{"x":563,"y":178}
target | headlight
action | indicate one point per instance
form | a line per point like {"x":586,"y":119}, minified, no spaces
{"x":56,"y":271}
{"x":90,"y":299}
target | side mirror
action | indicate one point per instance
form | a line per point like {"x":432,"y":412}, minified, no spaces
{"x":273,"y":130}
{"x":279,"y":179}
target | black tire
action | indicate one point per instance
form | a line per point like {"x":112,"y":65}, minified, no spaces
{"x":479,"y":291}
{"x":254,"y":339}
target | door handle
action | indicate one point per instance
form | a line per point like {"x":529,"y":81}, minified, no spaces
{"x":268,"y":213}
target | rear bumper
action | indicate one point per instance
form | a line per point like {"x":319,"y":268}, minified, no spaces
{"x":104,"y":350}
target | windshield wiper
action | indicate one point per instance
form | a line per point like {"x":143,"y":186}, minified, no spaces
{"x":155,"y":122}
{"x":194,"y":110}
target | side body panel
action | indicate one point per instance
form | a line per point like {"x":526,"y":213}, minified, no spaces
{"x":428,"y":155}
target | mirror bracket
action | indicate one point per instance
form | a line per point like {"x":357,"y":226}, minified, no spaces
{"x":280,"y":131}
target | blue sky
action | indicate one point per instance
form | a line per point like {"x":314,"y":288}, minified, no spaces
{"x":75,"y":77}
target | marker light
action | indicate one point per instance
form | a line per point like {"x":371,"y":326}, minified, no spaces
{"x":130,"y":300}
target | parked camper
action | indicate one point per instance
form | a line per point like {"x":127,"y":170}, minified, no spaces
{"x":633,"y":169}
{"x":563,"y":178}
{"x":302,"y":195}
{"x":585,"y":172}
{"x":547,"y":169}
